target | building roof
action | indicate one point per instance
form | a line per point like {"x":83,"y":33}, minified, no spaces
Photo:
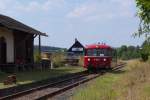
{"x":99,"y":46}
{"x":13,"y":24}
{"x":77,"y":44}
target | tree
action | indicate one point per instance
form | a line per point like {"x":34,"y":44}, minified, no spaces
{"x":144,"y":15}
{"x":131,"y":48}
{"x":124,"y":48}
{"x":145,"y":51}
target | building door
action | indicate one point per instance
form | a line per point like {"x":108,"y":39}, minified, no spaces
{"x":2,"y":50}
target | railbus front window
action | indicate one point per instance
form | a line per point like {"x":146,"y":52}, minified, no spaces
{"x":94,"y":52}
{"x":99,"y":52}
{"x":89,"y":52}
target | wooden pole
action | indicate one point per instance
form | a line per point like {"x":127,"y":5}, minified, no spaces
{"x":40,"y":46}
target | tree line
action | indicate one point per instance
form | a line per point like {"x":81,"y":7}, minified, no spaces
{"x":128,"y":52}
{"x":133,"y":52}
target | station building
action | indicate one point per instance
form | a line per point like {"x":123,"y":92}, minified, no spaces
{"x":17,"y":41}
{"x":77,"y":48}
{"x":74,"y":53}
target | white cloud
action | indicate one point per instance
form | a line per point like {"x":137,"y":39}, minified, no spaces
{"x":34,"y":6}
{"x":7,"y":5}
{"x":83,"y":10}
{"x":31,"y":6}
{"x":53,"y":3}
{"x":124,"y":3}
{"x":95,"y":10}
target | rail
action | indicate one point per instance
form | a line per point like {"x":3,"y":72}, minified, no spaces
{"x":55,"y":88}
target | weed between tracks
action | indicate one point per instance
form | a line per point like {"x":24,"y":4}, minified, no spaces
{"x":132,"y":83}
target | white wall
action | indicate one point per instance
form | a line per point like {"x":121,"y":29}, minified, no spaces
{"x":8,"y":34}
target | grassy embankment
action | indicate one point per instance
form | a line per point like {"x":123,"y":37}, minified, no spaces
{"x":32,"y":76}
{"x":133,"y":83}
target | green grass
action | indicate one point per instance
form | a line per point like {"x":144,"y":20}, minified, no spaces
{"x":32,"y":76}
{"x":130,"y":84}
{"x":99,"y":89}
{"x":147,"y":89}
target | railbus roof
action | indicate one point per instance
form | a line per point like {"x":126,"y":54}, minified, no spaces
{"x":98,"y":46}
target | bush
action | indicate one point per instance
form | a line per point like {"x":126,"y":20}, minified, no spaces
{"x":58,"y":59}
{"x":37,"y":57}
{"x":81,"y":60}
{"x":144,"y":56}
{"x":145,"y":51}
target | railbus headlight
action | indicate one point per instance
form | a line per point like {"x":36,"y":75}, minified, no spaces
{"x":89,"y":59}
{"x":104,"y":59}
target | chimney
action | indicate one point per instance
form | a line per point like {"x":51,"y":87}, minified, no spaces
{"x":76,"y":40}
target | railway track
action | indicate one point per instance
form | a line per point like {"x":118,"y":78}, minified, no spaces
{"x":119,"y":66}
{"x":50,"y":90}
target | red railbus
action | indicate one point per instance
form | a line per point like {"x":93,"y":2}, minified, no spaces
{"x":99,"y":56}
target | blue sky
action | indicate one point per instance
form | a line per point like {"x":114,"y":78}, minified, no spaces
{"x":90,"y":21}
